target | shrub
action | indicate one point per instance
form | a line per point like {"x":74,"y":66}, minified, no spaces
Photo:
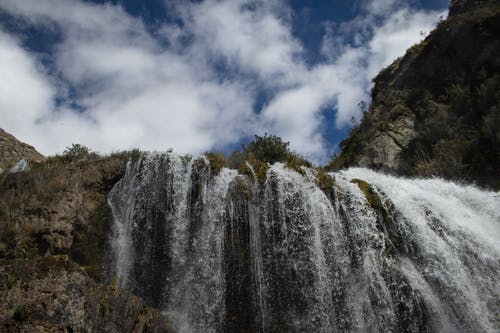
{"x":76,"y":150}
{"x":20,"y":313}
{"x":269,"y":149}
{"x":325,"y":182}
{"x":126,"y":155}
{"x":217,"y":162}
{"x":259,"y":153}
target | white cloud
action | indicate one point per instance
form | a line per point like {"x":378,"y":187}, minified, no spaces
{"x":135,"y":91}
{"x":253,"y":40}
{"x":26,"y":96}
{"x":380,"y":7}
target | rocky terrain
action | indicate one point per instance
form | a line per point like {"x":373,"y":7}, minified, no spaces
{"x":436,"y":110}
{"x":54,"y":230}
{"x":13,"y":150}
{"x":54,"y":294}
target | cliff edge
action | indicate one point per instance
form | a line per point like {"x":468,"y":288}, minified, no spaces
{"x":436,"y":110}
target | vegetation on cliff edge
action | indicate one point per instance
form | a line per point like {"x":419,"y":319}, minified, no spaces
{"x":449,"y":88}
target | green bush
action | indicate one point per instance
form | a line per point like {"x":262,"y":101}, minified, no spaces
{"x":76,"y":150}
{"x":217,"y":162}
{"x":260,"y":153}
{"x":268,"y":149}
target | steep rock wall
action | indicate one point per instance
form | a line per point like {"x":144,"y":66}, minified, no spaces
{"x":435,"y":111}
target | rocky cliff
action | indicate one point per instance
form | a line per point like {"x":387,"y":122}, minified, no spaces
{"x":54,"y":231}
{"x":436,"y":110}
{"x":13,"y":150}
{"x":53,"y":294}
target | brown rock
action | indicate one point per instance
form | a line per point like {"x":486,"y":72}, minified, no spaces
{"x":53,"y":294}
{"x":13,"y":150}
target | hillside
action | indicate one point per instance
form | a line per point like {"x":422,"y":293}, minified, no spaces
{"x":54,"y":229}
{"x":13,"y":150}
{"x":436,"y":110}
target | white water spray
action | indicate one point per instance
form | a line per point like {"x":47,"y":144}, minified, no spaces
{"x":376,"y":253}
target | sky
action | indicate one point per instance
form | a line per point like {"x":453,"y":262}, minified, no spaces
{"x":197,"y":76}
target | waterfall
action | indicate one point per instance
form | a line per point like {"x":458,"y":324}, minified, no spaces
{"x":228,"y":252}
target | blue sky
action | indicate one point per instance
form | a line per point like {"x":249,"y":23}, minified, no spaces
{"x":196,"y":76}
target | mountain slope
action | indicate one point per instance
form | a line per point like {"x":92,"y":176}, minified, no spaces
{"x":12,"y":151}
{"x":436,"y":110}
{"x":54,"y":230}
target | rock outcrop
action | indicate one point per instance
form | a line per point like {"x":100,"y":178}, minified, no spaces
{"x":54,"y":231}
{"x":54,"y":294}
{"x":435,"y":111}
{"x":12,"y":151}
{"x":59,"y":207}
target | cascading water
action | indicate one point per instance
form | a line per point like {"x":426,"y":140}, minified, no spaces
{"x":373,"y":253}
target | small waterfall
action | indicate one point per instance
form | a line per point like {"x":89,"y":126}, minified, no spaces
{"x":231,"y":253}
{"x":294,"y":228}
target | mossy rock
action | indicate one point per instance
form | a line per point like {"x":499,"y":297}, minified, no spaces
{"x":242,"y":187}
{"x":325,"y":182}
{"x":296,"y":162}
{"x":244,"y":169}
{"x":370,"y":194}
{"x":217,"y":161}
{"x":259,"y":168}
{"x":90,"y":241}
{"x":104,"y":309}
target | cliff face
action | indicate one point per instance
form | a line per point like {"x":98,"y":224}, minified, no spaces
{"x":54,"y":231}
{"x":13,"y":150}
{"x":435,"y":111}
{"x":58,"y":207}
{"x":53,"y":294}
